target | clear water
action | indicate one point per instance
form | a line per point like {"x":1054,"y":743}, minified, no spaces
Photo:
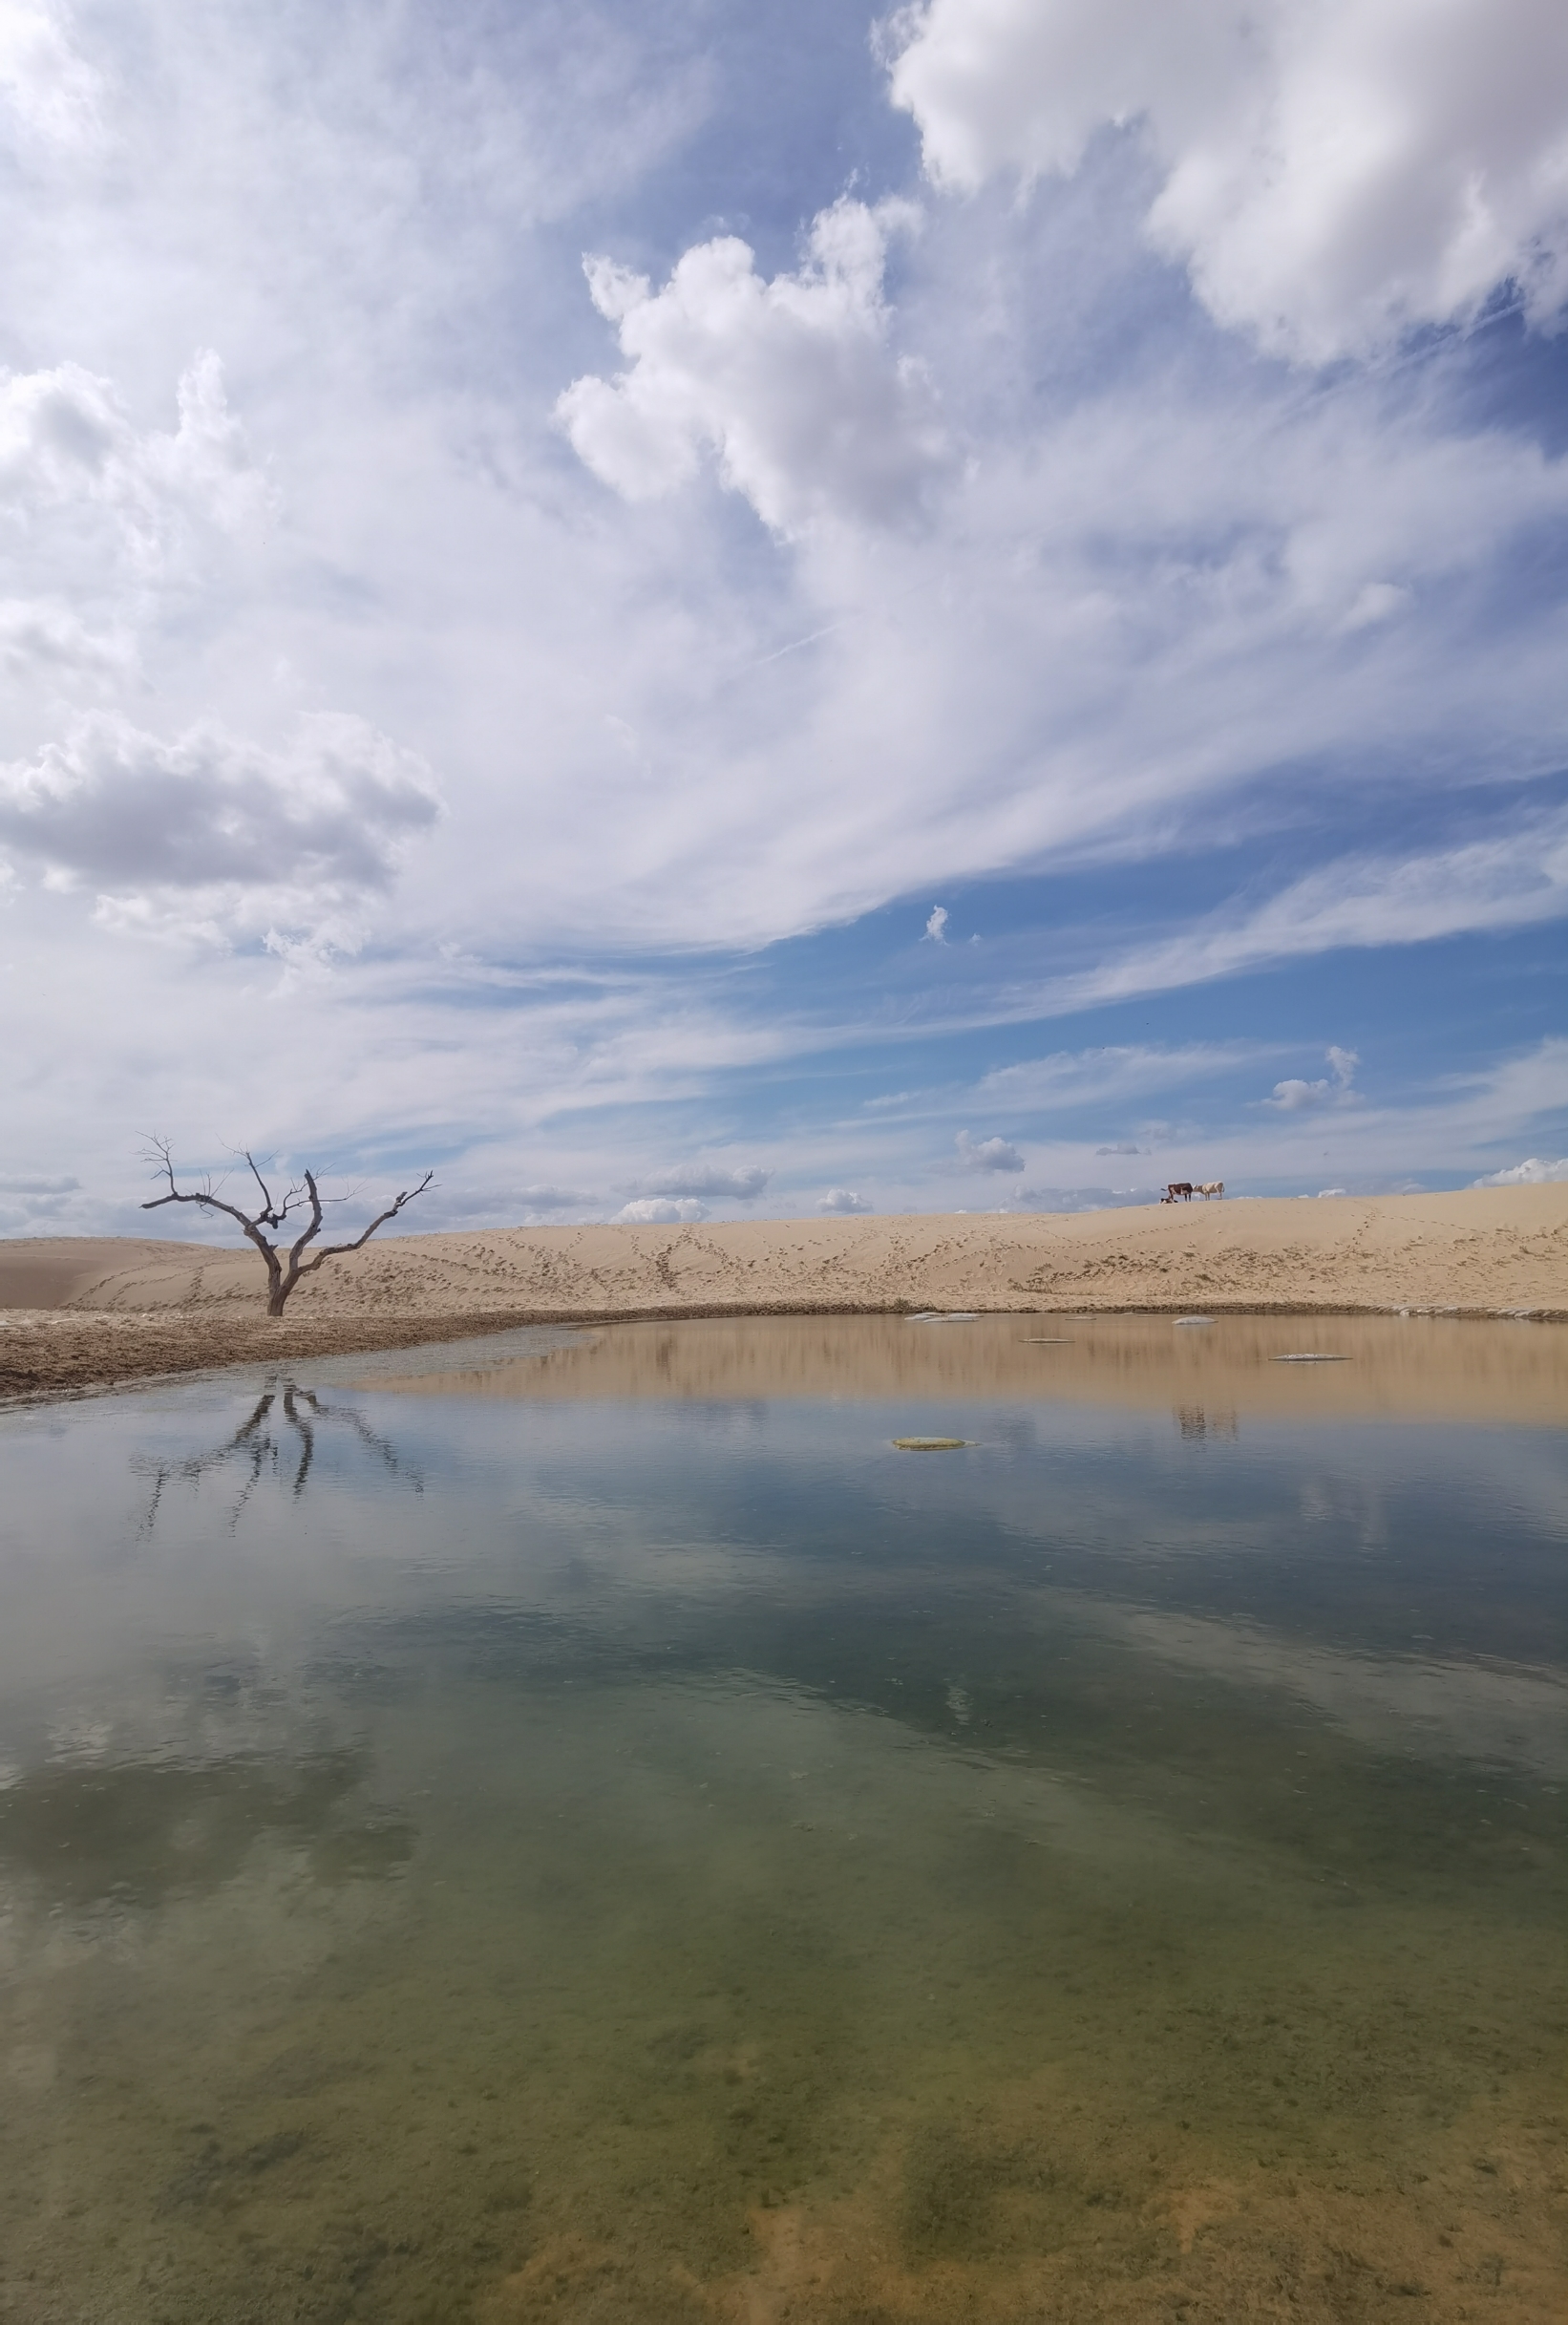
{"x":605,"y":1836}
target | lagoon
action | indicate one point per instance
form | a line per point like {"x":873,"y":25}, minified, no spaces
{"x":581,"y":1825}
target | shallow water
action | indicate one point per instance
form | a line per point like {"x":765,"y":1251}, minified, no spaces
{"x":584,"y":1828}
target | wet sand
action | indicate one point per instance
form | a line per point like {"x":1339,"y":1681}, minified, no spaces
{"x":82,"y":1313}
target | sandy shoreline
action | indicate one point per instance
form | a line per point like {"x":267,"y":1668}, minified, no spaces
{"x":82,"y":1313}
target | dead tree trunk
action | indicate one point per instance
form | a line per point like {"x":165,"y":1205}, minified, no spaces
{"x":284,"y":1264}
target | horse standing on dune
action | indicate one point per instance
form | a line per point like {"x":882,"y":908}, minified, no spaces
{"x":1179,"y":1191}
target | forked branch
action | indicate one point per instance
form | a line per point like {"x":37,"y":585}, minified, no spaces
{"x":284,"y":1266}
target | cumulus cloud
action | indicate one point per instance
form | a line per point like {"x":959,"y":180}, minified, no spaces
{"x":653,"y":1212}
{"x":1121,"y":1148}
{"x":70,"y":452}
{"x":1332,"y":171}
{"x":326,"y":817}
{"x":842,"y":1202}
{"x":1531,"y":1173}
{"x":936,"y":926}
{"x":790,"y":384}
{"x":987,"y":1154}
{"x":710,"y":1180}
{"x":1302,"y":1096}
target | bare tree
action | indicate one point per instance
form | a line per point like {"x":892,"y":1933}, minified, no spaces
{"x":285,"y":1265}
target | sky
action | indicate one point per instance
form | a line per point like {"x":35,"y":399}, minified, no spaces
{"x":758,"y":609}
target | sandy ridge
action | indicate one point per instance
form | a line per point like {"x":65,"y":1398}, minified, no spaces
{"x":80,"y":1312}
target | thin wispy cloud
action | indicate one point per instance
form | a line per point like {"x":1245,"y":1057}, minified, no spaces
{"x":712,"y":1182}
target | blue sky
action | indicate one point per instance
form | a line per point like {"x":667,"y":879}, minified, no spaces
{"x":755,"y":609}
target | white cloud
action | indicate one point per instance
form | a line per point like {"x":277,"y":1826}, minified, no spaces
{"x":987,"y":1154}
{"x":790,"y":383}
{"x":650,"y":1211}
{"x":1122,"y":1148}
{"x":69,"y":452}
{"x":244,"y":830}
{"x":1160,"y":597}
{"x":1087,"y":1197}
{"x":1333,"y":172}
{"x":842,"y":1202}
{"x":1512,"y":879}
{"x":540,"y":1201}
{"x":45,"y":634}
{"x":1302,"y":1096}
{"x":713,"y":1181}
{"x":936,"y":926}
{"x":1532,"y":1173}
{"x":52,"y":97}
{"x":1113,"y":1075}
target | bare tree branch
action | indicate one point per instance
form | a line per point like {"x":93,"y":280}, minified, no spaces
{"x":280,"y":1281}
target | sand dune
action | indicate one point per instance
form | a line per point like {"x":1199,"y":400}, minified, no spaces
{"x":80,"y":1312}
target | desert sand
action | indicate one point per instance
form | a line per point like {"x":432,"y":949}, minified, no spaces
{"x":81,"y":1314}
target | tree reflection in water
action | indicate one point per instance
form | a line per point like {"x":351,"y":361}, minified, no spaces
{"x":280,"y":1440}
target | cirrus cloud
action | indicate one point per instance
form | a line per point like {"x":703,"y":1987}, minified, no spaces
{"x":696,"y":1181}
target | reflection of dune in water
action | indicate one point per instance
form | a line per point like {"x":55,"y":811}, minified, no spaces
{"x":1415,"y":1368}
